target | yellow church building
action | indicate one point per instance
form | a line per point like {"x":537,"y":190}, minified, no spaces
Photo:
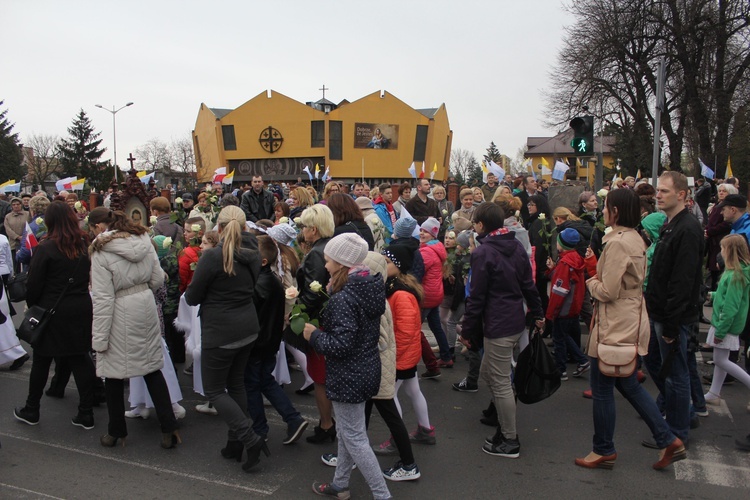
{"x":376,"y":138}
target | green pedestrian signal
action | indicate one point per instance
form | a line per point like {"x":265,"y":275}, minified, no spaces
{"x":583,"y":139}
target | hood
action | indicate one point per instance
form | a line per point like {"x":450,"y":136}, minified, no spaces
{"x":368,"y":290}
{"x":512,"y":223}
{"x":438,"y":248}
{"x":131,"y":247}
{"x":410,"y":242}
{"x":506,"y":243}
{"x":652,"y":223}
{"x":572,"y":258}
{"x":583,"y":227}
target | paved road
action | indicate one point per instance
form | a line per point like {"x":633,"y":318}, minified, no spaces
{"x":57,"y":460}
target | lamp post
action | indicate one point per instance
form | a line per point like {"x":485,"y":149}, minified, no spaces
{"x":114,"y":128}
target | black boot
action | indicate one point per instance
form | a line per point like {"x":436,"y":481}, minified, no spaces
{"x":490,"y":416}
{"x":253,"y":454}
{"x":233,"y":450}
{"x":322,"y":435}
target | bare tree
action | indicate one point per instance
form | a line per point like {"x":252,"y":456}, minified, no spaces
{"x":461,"y":162}
{"x":183,"y":157}
{"x":42,"y":157}
{"x":155,"y":156}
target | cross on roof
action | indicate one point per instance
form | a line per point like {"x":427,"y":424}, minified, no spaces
{"x":324,"y":90}
{"x":131,"y":160}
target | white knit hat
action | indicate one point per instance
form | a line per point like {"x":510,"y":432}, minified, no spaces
{"x":347,"y":249}
{"x":432,"y":226}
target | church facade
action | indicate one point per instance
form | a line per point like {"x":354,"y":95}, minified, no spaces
{"x":374,"y":138}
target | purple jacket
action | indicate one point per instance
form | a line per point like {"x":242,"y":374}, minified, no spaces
{"x":501,"y":281}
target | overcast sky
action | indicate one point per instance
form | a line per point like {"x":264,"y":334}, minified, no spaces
{"x":488,"y":61}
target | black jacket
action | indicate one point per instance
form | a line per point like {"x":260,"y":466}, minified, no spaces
{"x":420,"y":210}
{"x":269,"y":304}
{"x":359,"y":227}
{"x":675,"y":274}
{"x":258,"y":206}
{"x":313,"y":268}
{"x":227,"y":312}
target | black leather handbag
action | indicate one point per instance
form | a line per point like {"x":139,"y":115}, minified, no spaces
{"x":16,"y":287}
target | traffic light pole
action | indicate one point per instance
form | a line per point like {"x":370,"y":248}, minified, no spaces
{"x":661,"y":76}
{"x":599,"y":172}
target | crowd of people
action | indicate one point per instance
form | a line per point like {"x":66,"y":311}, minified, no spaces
{"x":235,"y":287}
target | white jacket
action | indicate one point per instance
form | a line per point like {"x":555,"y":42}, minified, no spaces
{"x":6,"y":258}
{"x":126,"y":330}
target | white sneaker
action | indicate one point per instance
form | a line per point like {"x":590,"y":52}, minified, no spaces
{"x":206,"y":408}
{"x":179,"y":411}
{"x":139,"y":411}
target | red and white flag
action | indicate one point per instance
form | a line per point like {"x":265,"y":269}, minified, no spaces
{"x":31,"y":241}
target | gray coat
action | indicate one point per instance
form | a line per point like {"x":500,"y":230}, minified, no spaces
{"x":126,"y":330}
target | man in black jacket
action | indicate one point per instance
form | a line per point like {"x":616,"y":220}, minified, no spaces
{"x":421,"y":207}
{"x":257,"y":203}
{"x":672,"y":296}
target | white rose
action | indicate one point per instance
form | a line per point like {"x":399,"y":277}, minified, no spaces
{"x":78,"y":205}
{"x":602,"y":193}
{"x":291,"y":293}
{"x":39,"y":221}
{"x":178,"y":201}
{"x":316,"y":287}
{"x":152,"y":219}
{"x":298,"y":220}
{"x":542,"y":217}
{"x":518,"y":214}
{"x":167,"y":242}
{"x":196,"y":228}
{"x":209,"y":188}
{"x":283,"y":220}
{"x":445,"y":211}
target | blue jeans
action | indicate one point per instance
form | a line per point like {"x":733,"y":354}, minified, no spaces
{"x":602,"y":390}
{"x":562,"y":331}
{"x":433,"y":320}
{"x":677,"y":382}
{"x":259,"y":382}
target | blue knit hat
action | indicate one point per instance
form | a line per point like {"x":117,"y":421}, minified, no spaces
{"x":404,"y":227}
{"x":568,"y":238}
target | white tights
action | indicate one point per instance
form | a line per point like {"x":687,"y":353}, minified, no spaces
{"x":722,"y":366}
{"x":419,"y":403}
{"x":301,"y":360}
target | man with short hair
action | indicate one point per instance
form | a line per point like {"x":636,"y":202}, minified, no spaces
{"x":528,"y":189}
{"x":734,"y":211}
{"x":358,"y":190}
{"x":489,"y":188}
{"x":257,"y":203}
{"x":672,"y":295}
{"x":421,"y":207}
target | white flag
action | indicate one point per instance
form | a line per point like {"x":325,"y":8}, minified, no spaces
{"x":559,"y":171}
{"x":413,"y":170}
{"x":497,"y":170}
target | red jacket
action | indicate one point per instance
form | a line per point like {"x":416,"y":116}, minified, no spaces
{"x":407,"y":328}
{"x":433,"y":255}
{"x":187,"y":257}
{"x":568,"y":286}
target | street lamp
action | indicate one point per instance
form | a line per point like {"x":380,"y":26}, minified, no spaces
{"x":114,"y":128}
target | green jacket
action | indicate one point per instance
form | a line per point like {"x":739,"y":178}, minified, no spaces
{"x":731,"y":303}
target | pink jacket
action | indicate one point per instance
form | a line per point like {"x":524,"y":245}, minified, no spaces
{"x":433,"y":254}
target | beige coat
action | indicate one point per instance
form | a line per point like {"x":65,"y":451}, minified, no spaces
{"x":15,"y":223}
{"x":618,"y":291}
{"x":126,"y":331}
{"x":387,"y":341}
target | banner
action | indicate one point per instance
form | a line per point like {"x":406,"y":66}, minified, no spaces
{"x":375,"y":136}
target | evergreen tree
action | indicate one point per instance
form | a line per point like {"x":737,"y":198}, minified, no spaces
{"x":493,"y":154}
{"x":80,"y":154}
{"x":474,"y":175}
{"x":10,"y":150}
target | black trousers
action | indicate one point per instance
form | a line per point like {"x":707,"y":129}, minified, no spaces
{"x":174,"y":338}
{"x":389,"y":412}
{"x":157,"y":388}
{"x":83,"y":373}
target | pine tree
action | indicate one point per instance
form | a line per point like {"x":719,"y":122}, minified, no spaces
{"x":80,"y":154}
{"x":493,"y":154}
{"x":10,"y":150}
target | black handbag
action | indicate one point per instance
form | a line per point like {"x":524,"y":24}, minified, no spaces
{"x":36,"y":318}
{"x":16,"y":287}
{"x":536,"y":377}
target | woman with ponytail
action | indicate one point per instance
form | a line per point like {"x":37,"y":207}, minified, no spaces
{"x":223,"y":285}
{"x":126,"y":330}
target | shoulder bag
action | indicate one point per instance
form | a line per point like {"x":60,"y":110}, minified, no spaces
{"x":36,"y":318}
{"x":16,"y":287}
{"x":619,"y":360}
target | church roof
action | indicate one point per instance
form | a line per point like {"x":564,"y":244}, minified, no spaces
{"x":220,"y":112}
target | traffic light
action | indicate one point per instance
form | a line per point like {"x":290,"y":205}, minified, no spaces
{"x":583,"y":140}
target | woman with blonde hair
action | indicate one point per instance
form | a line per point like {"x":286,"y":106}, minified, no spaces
{"x":478,"y":195}
{"x":500,"y":191}
{"x":223,"y":285}
{"x":466,"y":210}
{"x":301,"y":199}
{"x":330,"y":188}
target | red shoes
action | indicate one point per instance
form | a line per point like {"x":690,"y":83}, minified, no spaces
{"x":672,"y":453}
{"x":603,"y":462}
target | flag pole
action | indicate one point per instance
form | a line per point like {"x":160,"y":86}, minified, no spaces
{"x":363,"y":170}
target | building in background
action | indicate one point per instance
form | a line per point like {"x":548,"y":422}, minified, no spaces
{"x":544,"y":151}
{"x":376,"y":138}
